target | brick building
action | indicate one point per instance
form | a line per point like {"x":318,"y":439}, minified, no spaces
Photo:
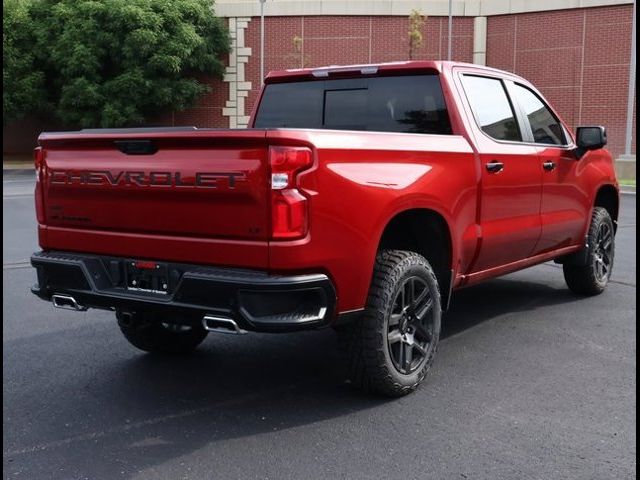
{"x":577,"y":52}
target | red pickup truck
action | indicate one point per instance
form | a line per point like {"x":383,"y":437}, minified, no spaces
{"x":360,"y":198}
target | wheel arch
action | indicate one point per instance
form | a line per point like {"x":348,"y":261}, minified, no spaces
{"x":426,"y":232}
{"x":608,"y":198}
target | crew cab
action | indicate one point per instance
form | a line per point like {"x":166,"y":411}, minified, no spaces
{"x":360,"y":198}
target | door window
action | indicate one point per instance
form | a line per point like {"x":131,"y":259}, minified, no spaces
{"x":491,"y":107}
{"x":545,"y":126}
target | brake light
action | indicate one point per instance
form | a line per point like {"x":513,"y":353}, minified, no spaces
{"x":38,"y":161}
{"x":289,"y":210}
{"x":145,"y":265}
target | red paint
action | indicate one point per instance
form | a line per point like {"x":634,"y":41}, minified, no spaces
{"x":145,"y":265}
{"x":355,"y":184}
{"x":289,"y":209}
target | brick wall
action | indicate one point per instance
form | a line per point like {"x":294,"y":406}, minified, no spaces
{"x":324,"y":40}
{"x":579,"y":59}
{"x":347,"y":40}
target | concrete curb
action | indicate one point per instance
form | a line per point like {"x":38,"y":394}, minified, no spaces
{"x":17,"y":166}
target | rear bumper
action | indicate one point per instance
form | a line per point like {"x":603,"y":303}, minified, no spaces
{"x":255,"y":300}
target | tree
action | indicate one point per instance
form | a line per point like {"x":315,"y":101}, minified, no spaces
{"x":118,"y":62}
{"x":416,"y":22}
{"x":23,"y":82}
{"x":297,"y":58}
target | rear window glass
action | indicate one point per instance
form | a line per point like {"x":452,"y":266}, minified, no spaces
{"x":411,"y":104}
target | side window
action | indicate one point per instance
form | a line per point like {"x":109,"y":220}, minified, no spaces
{"x":491,"y":107}
{"x":544,"y":125}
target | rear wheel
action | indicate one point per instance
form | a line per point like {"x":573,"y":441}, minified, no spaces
{"x":147,"y":332}
{"x":391,"y":349}
{"x":592,"y":278}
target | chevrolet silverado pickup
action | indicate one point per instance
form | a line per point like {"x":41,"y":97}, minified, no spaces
{"x":360,"y":199}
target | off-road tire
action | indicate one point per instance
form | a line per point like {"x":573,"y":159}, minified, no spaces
{"x":586,"y":280}
{"x":364,"y":343}
{"x":147,"y":332}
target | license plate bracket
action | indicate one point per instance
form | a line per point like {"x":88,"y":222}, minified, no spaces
{"x":146,"y":276}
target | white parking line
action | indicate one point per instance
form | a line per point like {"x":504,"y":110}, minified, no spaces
{"x":16,"y":265}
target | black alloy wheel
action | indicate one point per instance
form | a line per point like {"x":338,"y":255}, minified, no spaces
{"x":603,"y":252}
{"x":410,"y":326}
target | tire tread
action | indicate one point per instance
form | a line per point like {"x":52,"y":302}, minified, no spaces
{"x":581,"y":279}
{"x":363,"y":342}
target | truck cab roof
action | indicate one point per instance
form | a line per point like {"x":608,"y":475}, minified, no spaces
{"x":372,"y":69}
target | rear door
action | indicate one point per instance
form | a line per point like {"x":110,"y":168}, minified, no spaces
{"x":565,"y":206}
{"x":511,"y":176}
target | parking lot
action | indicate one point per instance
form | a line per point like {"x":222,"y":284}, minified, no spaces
{"x":530,"y":382}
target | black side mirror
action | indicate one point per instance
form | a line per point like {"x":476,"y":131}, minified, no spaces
{"x":590,"y":138}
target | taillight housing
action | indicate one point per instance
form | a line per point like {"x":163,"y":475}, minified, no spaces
{"x":289,"y":209}
{"x":39,"y":164}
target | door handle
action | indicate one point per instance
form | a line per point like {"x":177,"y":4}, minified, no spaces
{"x":494,"y":166}
{"x":548,"y":166}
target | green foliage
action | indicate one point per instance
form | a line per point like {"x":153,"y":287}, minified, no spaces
{"x":118,"y":62}
{"x":416,"y":22}
{"x":23,"y":83}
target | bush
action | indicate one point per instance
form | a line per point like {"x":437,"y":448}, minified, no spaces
{"x":23,"y":83}
{"x":118,"y":62}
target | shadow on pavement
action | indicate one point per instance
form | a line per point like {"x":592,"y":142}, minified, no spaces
{"x":477,"y":304}
{"x":154,"y":409}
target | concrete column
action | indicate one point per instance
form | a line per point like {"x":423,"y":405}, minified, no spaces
{"x":480,"y":40}
{"x":626,"y":164}
{"x":234,"y":74}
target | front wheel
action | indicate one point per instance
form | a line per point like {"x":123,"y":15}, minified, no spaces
{"x":391,"y":348}
{"x":592,"y":278}
{"x":150,"y":333}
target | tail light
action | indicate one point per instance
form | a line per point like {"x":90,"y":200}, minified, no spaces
{"x":38,"y":160}
{"x":289,"y":210}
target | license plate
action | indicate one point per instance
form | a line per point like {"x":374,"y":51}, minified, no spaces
{"x":145,"y":276}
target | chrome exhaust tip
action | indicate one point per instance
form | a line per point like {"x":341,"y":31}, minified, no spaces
{"x":212,"y":323}
{"x":67,"y":302}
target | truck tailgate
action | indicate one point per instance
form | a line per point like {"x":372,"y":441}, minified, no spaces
{"x":178,"y":189}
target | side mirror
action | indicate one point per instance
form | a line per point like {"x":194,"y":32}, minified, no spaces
{"x":590,"y":138}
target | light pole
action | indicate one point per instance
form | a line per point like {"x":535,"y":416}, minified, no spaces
{"x":449,"y":39}
{"x":262,"y":41}
{"x":632,"y":85}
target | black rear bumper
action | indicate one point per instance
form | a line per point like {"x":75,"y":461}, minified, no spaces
{"x":254,"y":300}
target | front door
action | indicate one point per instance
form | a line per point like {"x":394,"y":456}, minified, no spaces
{"x":511,"y":176}
{"x":565,"y":205}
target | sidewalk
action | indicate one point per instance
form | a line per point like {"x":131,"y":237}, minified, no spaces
{"x":14,"y":169}
{"x":15,"y":162}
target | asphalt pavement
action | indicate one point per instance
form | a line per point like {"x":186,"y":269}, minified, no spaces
{"x":530,"y":382}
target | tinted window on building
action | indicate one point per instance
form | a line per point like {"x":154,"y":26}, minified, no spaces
{"x":545,"y":127}
{"x":412,"y":104}
{"x":491,"y":107}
